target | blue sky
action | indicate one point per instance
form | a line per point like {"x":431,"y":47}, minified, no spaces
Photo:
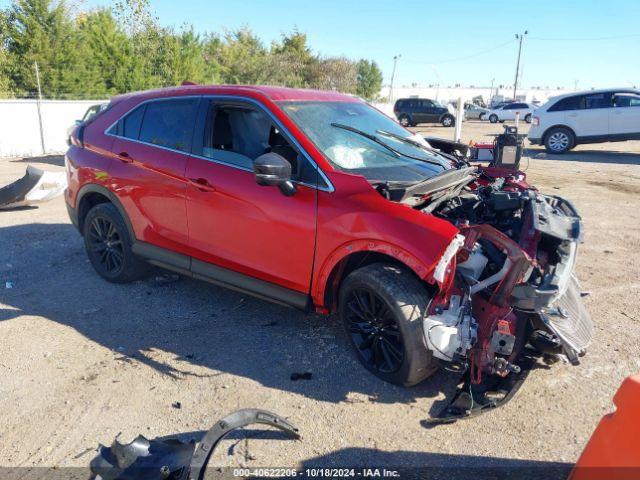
{"x":436,"y":37}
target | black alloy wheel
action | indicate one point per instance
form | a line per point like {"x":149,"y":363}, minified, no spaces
{"x":105,"y":246}
{"x":374,"y":331}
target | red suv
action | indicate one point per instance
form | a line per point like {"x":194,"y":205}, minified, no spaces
{"x":318,"y":201}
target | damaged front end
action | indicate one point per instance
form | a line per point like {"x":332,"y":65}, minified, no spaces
{"x":507,"y":290}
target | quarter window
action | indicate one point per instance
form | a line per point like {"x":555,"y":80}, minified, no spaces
{"x":131,"y":123}
{"x":169,"y":123}
{"x":570,"y":103}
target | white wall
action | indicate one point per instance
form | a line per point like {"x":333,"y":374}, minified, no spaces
{"x":20,"y":130}
{"x":447,"y":94}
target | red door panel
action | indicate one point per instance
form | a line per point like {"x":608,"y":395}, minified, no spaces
{"x":151,"y":185}
{"x":255,"y":230}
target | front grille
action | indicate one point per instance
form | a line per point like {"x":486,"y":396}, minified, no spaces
{"x":570,"y":320}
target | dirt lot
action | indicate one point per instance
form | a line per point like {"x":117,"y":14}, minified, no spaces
{"x":83,"y":360}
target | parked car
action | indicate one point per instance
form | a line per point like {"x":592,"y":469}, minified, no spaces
{"x":318,"y":201}
{"x":412,"y":111}
{"x":474,"y":112}
{"x":508,"y":112}
{"x":91,"y":111}
{"x":593,"y":116}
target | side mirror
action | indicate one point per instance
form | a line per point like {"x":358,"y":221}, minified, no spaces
{"x":272,"y":169}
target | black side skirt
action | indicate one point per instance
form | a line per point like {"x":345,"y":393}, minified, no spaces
{"x":224,"y":277}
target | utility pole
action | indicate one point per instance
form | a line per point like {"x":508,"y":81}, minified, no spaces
{"x":490,"y":93}
{"x":515,"y":84}
{"x":393,"y":74}
{"x":38,"y":101}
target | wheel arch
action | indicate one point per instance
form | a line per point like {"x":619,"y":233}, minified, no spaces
{"x":356,"y":255}
{"x":93,"y":194}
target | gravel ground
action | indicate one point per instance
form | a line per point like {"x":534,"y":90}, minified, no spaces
{"x":83,"y":360}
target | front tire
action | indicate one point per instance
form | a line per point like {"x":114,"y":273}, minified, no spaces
{"x":108,"y":245}
{"x":404,"y":120}
{"x":448,"y":120}
{"x":527,"y":118}
{"x":493,"y":118}
{"x":559,"y":140}
{"x":382,"y":308}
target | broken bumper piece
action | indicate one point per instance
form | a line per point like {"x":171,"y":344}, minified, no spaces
{"x":36,"y":186}
{"x":144,"y":459}
{"x":471,"y":400}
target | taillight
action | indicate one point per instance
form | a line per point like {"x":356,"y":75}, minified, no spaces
{"x":535,"y":121}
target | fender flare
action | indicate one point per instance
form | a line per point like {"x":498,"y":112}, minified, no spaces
{"x":421,"y":269}
{"x":102,"y":190}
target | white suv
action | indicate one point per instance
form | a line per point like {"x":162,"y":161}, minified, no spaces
{"x":508,"y":112}
{"x":594,"y":116}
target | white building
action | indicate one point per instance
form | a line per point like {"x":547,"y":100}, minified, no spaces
{"x":448,"y":94}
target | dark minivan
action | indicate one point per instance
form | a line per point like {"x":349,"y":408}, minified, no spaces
{"x":412,"y":111}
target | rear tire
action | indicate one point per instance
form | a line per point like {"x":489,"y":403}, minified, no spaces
{"x":559,"y":140}
{"x":108,"y":245}
{"x":382,"y":308}
{"x":493,"y":118}
{"x":448,"y":120}
{"x":481,"y":117}
{"x":527,"y":118}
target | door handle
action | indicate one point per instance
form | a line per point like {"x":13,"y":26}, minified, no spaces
{"x":124,"y":157}
{"x":202,"y":184}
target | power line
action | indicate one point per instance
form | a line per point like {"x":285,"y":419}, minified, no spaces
{"x":586,"y":39}
{"x":450,"y":60}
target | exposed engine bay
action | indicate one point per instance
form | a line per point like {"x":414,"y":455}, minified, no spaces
{"x":506,"y":288}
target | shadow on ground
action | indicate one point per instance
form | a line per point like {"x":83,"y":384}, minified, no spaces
{"x":57,"y":160}
{"x":586,"y":156}
{"x":421,"y":465}
{"x":197,"y":323}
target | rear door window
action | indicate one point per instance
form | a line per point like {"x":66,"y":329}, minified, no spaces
{"x":598,"y":100}
{"x":169,"y":123}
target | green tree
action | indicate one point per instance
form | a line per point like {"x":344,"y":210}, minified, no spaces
{"x":5,"y":82}
{"x":289,"y":61}
{"x":334,"y":73}
{"x":369,"y":79}
{"x":181,"y":57}
{"x":41,"y":31}
{"x":112,"y":66}
{"x":211,"y":51}
{"x":243,"y":58}
{"x":109,"y":51}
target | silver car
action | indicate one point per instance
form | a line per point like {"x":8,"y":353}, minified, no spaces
{"x":474,"y":112}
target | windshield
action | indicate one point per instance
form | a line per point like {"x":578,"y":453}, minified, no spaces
{"x":357,"y":138}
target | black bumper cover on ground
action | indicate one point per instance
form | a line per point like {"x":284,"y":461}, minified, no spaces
{"x":172,"y":459}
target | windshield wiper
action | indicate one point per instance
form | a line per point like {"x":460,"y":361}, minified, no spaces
{"x":373,"y":138}
{"x":417,"y":144}
{"x":410,"y":141}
